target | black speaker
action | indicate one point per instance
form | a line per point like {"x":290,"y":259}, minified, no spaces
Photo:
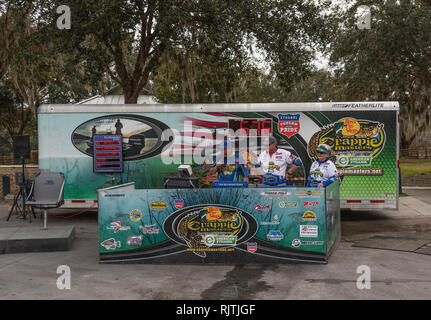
{"x":21,"y":146}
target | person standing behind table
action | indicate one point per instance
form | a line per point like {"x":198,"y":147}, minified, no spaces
{"x":229,"y":165}
{"x":275,"y":161}
{"x":323,"y":171}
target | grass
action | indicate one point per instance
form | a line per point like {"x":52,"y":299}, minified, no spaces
{"x":413,"y":167}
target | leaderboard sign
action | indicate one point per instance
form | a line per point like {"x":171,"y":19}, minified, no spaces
{"x":108,"y":153}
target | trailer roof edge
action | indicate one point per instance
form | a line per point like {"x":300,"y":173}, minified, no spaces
{"x":225,"y":107}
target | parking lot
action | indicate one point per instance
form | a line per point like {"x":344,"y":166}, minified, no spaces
{"x":392,"y":249}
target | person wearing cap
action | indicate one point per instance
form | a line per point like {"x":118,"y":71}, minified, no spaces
{"x":323,"y":171}
{"x":229,"y":165}
{"x":274,"y":161}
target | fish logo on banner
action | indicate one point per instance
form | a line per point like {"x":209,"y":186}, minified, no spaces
{"x":288,"y":124}
{"x":111,"y":244}
{"x":116,"y":226}
{"x":203,"y":227}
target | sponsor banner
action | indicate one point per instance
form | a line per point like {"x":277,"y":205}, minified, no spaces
{"x":201,"y":227}
{"x":353,"y":161}
{"x":296,"y":243}
{"x":116,"y":226}
{"x":309,"y":216}
{"x":275,"y":194}
{"x":309,"y":194}
{"x":178,"y":203}
{"x":251,"y":247}
{"x":288,"y":124}
{"x":134,"y":240}
{"x":215,"y":240}
{"x":212,"y":230}
{"x":135,"y":215}
{"x":310,"y":203}
{"x":275,"y":235}
{"x":355,"y":141}
{"x":158,"y":205}
{"x":308,"y":231}
{"x":149,"y":229}
{"x":287,"y":204}
{"x":259,"y":207}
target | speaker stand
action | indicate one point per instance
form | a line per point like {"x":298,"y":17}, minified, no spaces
{"x":23,"y":194}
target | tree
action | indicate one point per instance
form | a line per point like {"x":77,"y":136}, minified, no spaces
{"x":390,"y":61}
{"x":16,"y":117}
{"x":290,"y":32}
{"x":127,"y":39}
{"x":122,"y":38}
{"x":13,"y":16}
{"x":215,"y":62}
{"x":37,"y":70}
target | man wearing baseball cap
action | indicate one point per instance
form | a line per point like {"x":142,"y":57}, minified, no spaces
{"x":229,"y":165}
{"x":274,"y":162}
{"x":323,"y":171}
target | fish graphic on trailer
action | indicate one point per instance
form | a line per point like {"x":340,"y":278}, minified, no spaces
{"x":111,"y":244}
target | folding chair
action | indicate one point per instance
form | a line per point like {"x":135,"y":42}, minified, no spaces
{"x":47,"y":192}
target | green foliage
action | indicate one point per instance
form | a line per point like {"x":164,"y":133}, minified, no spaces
{"x":390,"y":61}
{"x":15,"y":118}
{"x":215,"y":62}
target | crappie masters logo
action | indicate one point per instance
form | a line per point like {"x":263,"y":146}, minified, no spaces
{"x":210,"y":228}
{"x":353,"y":142}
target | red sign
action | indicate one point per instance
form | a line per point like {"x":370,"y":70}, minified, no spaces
{"x":288,"y":124}
{"x":252,"y":247}
{"x":179,"y":204}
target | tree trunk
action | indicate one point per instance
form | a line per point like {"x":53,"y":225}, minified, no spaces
{"x":131,"y":95}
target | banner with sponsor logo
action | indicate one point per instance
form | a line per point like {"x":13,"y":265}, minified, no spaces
{"x":215,"y":225}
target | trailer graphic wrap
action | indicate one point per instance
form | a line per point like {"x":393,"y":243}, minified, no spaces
{"x":141,"y":135}
{"x":364,"y":143}
{"x":367,"y":158}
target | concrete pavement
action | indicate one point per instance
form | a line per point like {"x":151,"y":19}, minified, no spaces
{"x":403,"y":273}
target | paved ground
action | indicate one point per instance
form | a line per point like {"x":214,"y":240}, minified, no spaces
{"x":401,"y":271}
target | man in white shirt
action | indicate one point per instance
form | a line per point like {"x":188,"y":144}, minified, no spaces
{"x":274,"y":162}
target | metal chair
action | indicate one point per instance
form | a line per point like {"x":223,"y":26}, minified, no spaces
{"x":47,"y":192}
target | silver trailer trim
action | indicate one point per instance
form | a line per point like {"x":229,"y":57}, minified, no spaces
{"x":220,"y":108}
